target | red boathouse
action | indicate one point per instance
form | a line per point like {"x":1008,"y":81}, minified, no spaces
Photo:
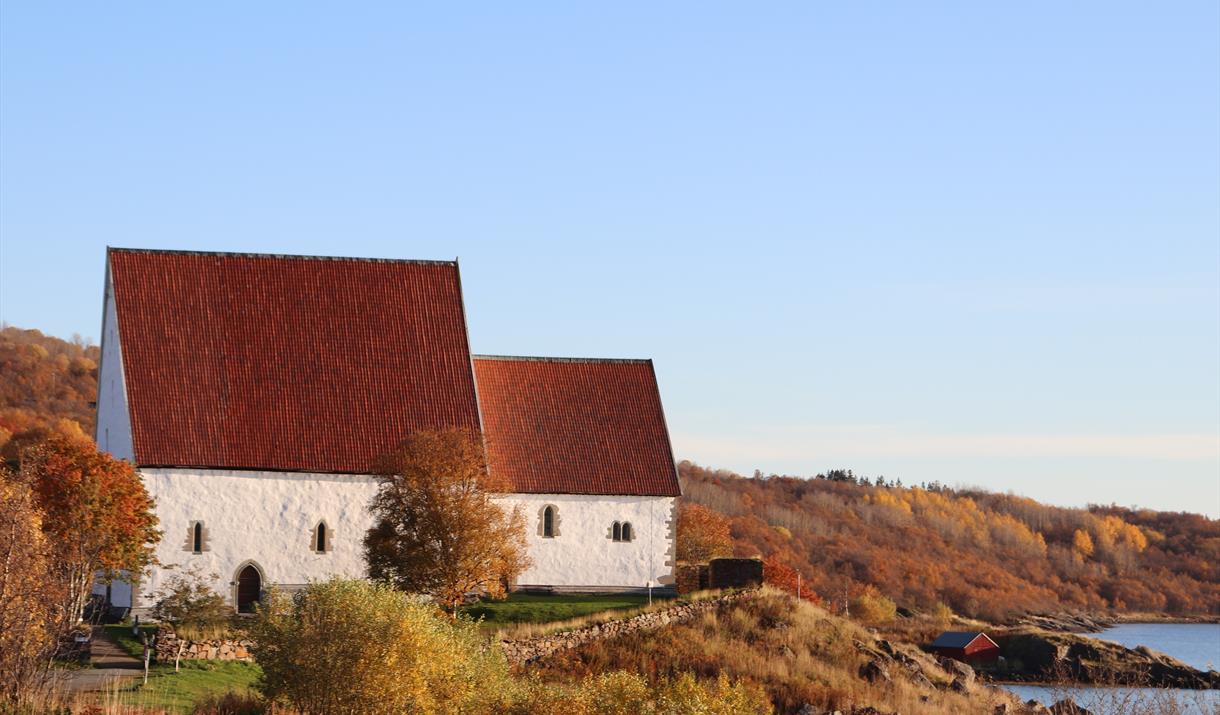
{"x":966,"y":646}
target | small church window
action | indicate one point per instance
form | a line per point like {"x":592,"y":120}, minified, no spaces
{"x":320,"y":545}
{"x":626,"y":535}
{"x":617,"y":532}
{"x":197,"y":537}
{"x":548,"y":522}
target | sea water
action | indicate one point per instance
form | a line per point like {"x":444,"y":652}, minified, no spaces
{"x":1196,"y":644}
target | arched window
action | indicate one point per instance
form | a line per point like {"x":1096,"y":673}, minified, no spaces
{"x":320,"y":538}
{"x":626,"y":535}
{"x":617,"y":532}
{"x":197,"y":537}
{"x":548,"y":522}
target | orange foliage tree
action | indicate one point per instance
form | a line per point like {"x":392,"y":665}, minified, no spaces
{"x":30,"y":599}
{"x":777,"y":573}
{"x":97,"y":515}
{"x":438,"y":531}
{"x":702,"y":534}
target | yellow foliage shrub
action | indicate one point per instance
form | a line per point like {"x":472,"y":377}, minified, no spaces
{"x":873,"y":608}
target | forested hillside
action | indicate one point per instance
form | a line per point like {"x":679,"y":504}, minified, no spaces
{"x":46,"y":383}
{"x":983,"y":554}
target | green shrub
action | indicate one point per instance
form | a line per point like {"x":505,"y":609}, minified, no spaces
{"x":350,"y":646}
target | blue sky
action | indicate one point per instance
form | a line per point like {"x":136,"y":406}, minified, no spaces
{"x":972,"y":242}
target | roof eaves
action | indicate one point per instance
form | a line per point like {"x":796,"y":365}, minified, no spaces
{"x":537,"y":358}
{"x":282,"y":256}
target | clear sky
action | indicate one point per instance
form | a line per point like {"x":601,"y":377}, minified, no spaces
{"x":974,"y":242}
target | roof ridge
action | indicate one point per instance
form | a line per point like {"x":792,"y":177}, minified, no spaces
{"x":283,"y":256}
{"x":544,"y":358}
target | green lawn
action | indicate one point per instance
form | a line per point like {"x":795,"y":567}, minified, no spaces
{"x":539,"y":608}
{"x":127,"y":640}
{"x":178,"y":692}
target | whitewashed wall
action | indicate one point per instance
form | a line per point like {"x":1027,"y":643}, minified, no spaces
{"x":262,"y":517}
{"x":113,"y":418}
{"x":268,"y":518}
{"x":583,"y":553}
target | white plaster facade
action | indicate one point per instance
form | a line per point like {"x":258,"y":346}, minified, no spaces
{"x":113,"y":417}
{"x":583,"y":555}
{"x":268,"y":519}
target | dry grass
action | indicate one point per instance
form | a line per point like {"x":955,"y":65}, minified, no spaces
{"x":521,"y":631}
{"x":797,"y":652}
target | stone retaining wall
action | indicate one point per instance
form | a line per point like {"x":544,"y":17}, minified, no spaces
{"x":520,"y":652}
{"x":216,"y":649}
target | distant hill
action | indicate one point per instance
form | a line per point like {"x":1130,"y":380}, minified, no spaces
{"x":46,"y":383}
{"x":994,"y":556}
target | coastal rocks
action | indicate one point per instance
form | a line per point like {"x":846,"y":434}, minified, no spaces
{"x":1067,"y":707}
{"x":1041,"y":656}
{"x":1066,"y":623}
{"x":957,"y":669}
{"x":873,"y":672}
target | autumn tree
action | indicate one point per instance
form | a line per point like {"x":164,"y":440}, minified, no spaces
{"x":97,"y":515}
{"x":702,"y":534}
{"x":779,"y":573}
{"x":31,"y":618}
{"x":189,"y":606}
{"x":1082,"y":543}
{"x":438,"y":530}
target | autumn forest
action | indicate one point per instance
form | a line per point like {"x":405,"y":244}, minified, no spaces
{"x":980,"y":553}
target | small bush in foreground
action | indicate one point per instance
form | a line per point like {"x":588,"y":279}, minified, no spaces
{"x":348,"y":646}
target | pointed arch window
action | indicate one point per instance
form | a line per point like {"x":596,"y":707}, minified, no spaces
{"x":548,"y":522}
{"x":322,"y":539}
{"x":197,"y":534}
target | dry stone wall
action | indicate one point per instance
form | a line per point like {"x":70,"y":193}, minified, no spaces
{"x":523,"y":651}
{"x":216,"y":649}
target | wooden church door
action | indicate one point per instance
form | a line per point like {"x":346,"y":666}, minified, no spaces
{"x":249,"y":589}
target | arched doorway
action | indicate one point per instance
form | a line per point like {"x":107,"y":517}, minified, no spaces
{"x":249,"y":588}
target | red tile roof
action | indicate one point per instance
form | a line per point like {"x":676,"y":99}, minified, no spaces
{"x":572,"y":426}
{"x":287,"y":363}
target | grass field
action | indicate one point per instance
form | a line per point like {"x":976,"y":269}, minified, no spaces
{"x":197,"y":679}
{"x":544,"y":608}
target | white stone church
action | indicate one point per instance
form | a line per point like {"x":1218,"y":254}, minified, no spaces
{"x":253,"y":393}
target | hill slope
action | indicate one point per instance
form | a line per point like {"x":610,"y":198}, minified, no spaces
{"x":805,"y":659}
{"x":993,"y":556}
{"x":46,"y":383}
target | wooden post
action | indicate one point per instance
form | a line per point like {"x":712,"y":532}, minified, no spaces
{"x":147,"y":654}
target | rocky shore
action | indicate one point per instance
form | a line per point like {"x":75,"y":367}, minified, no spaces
{"x":1034,"y":655}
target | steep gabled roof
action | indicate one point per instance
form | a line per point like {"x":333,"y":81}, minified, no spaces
{"x":287,"y":363}
{"x":959,"y":639}
{"x":576,"y":426}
